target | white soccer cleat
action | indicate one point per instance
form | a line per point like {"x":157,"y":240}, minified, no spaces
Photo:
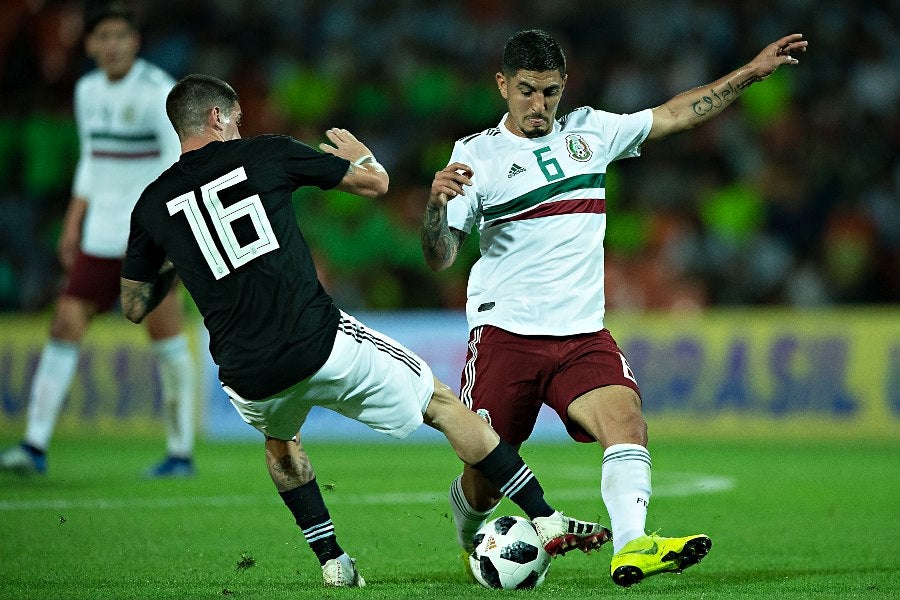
{"x":22,"y":462}
{"x":341,"y":572}
{"x":559,"y":534}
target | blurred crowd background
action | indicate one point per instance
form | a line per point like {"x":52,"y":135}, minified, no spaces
{"x":791,"y":197}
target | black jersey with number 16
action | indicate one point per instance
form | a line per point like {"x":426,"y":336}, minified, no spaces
{"x":223,"y":215}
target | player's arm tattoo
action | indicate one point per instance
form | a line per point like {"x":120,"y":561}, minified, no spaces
{"x":717,"y":99}
{"x":440,"y":242}
{"x":138,"y":298}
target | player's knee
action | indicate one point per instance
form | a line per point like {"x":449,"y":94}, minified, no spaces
{"x":610,"y":415}
{"x":66,"y":328}
{"x":71,"y":318}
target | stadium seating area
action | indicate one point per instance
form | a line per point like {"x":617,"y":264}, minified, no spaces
{"x":791,"y":198}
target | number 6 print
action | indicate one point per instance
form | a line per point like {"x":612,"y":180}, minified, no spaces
{"x":546,"y":164}
{"x":222,"y":219}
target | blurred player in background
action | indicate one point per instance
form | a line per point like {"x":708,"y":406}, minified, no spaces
{"x":534,"y":187}
{"x":223,"y":220}
{"x":126,"y":142}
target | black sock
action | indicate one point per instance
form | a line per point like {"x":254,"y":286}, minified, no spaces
{"x":506,"y":469}
{"x":33,"y":450}
{"x":308,"y":508}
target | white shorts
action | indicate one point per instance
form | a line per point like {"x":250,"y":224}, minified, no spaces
{"x":368,"y":377}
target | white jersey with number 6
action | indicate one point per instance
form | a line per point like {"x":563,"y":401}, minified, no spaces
{"x":540,"y":208}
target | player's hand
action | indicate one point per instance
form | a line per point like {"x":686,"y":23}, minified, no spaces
{"x":778,"y":53}
{"x":448,"y":183}
{"x":345,"y":145}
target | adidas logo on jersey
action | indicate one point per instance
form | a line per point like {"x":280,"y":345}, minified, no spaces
{"x":514,"y":170}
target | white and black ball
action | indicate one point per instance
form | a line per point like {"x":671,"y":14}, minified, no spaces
{"x":508,"y":555}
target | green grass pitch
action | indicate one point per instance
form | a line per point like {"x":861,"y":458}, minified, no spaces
{"x":803,"y":519}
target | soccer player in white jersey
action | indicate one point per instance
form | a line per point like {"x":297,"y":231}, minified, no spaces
{"x":126,"y":142}
{"x":534,"y":188}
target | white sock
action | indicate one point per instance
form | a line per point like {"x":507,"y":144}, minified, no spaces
{"x":466,"y":518}
{"x":625,"y":487}
{"x":49,"y":389}
{"x":176,"y":373}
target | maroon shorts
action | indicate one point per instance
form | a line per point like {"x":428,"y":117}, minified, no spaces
{"x":95,"y":280}
{"x":510,"y":376}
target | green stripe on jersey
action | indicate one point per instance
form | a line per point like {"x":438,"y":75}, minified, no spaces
{"x":137,"y":137}
{"x":543,"y":193}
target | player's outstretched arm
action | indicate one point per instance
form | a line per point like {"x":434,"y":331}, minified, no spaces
{"x":440,"y":243}
{"x":365,"y":177}
{"x":138,"y":298}
{"x":698,"y":105}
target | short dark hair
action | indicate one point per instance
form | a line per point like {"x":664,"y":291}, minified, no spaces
{"x":193,"y":97}
{"x":532,"y":50}
{"x":109,"y":10}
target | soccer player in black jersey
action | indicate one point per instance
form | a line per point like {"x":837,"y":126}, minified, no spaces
{"x":221,"y":219}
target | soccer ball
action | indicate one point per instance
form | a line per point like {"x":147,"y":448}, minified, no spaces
{"x":508,"y":555}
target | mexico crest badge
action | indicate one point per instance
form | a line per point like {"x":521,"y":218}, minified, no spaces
{"x":578,"y":148}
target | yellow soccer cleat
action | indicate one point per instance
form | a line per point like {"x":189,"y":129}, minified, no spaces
{"x":464,"y":555}
{"x":652,"y":554}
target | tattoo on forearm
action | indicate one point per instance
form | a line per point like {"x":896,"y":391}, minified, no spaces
{"x":136,"y":300}
{"x":438,"y":242}
{"x":717,"y":99}
{"x":743,"y":85}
